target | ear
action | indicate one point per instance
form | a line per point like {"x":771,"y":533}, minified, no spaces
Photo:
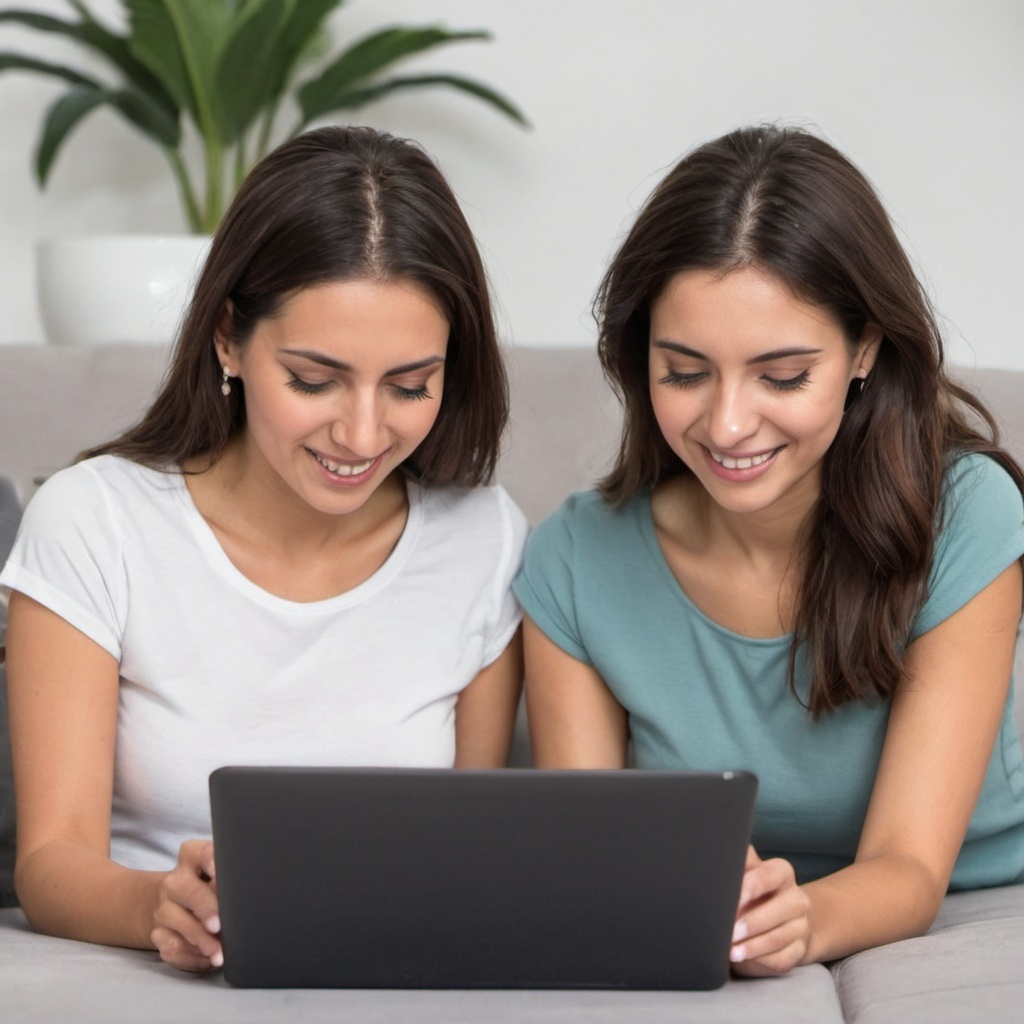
{"x":867,"y":350}
{"x":225,"y":348}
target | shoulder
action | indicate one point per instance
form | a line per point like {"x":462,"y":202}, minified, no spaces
{"x":978,"y":480}
{"x":488,"y":504}
{"x":105,"y":483}
{"x":981,"y":532}
{"x":585,"y":519}
{"x":981,"y":507}
{"x":476,"y":515}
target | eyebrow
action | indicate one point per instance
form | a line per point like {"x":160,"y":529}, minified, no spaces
{"x":337,"y":364}
{"x":764,"y":357}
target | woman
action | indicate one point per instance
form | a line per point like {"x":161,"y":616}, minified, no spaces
{"x":288,"y":560}
{"x":805,"y":561}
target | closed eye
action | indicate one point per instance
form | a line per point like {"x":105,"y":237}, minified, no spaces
{"x":682,"y":380}
{"x":416,"y":394}
{"x":788,"y":383}
{"x":305,"y":387}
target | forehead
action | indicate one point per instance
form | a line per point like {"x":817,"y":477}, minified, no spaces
{"x":740,"y":308}
{"x":362,"y":313}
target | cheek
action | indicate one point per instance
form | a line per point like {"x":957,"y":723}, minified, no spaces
{"x":278,"y":414}
{"x":420,"y":421}
{"x":674,"y":411}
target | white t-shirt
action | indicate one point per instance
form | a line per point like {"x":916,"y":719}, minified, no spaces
{"x":214,"y":670}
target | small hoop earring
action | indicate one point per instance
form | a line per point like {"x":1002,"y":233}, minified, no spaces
{"x":225,"y":383}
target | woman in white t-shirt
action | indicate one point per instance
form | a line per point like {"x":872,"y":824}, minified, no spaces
{"x":290,"y":559}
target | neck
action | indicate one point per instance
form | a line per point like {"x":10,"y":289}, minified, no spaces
{"x":772,"y":536}
{"x":242,"y":493}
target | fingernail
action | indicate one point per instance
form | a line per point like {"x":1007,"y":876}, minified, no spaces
{"x":739,"y":932}
{"x":217,"y":960}
{"x":737,"y":954}
{"x":213,"y":924}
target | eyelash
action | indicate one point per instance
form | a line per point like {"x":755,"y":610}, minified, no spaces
{"x":688,"y":380}
{"x":305,"y":388}
{"x":412,"y":394}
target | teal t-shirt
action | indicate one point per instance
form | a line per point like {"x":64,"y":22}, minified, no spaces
{"x":701,"y":697}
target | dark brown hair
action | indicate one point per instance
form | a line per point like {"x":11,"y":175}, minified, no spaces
{"x":335,"y":204}
{"x":785,"y":201}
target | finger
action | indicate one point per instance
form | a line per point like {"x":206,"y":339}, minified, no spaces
{"x":175,"y":918}
{"x":791,"y":933}
{"x":198,"y":854}
{"x":175,"y":950}
{"x":765,"y":878}
{"x":760,"y":918}
{"x":198,"y":897}
{"x":206,"y":862}
{"x":779,"y":961}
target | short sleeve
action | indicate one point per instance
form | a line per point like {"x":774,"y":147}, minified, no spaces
{"x":546,"y":586}
{"x":982,"y":533}
{"x":505,"y":613}
{"x":67,"y":556}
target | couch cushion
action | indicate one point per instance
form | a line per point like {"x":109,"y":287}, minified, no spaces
{"x":564,"y":427}
{"x":970,"y":966}
{"x":57,"y":980}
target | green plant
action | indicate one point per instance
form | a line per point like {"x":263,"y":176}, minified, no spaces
{"x":226,"y":67}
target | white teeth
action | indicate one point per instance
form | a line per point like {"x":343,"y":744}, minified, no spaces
{"x":344,"y":468}
{"x":748,"y":463}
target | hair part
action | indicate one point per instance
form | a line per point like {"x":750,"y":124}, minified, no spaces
{"x":789,"y":204}
{"x":334,"y":204}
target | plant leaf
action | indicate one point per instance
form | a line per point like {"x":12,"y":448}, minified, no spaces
{"x":42,"y":22}
{"x":298,"y":36}
{"x":115,"y":48}
{"x":369,"y":56}
{"x":65,"y":114}
{"x":258,"y":59}
{"x":180,"y":42}
{"x":16,"y":62}
{"x":358,"y":97}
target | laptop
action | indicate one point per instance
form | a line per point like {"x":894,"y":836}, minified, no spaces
{"x":510,"y":878}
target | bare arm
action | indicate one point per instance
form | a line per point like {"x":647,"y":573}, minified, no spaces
{"x":575,"y":722}
{"x":63,"y":701}
{"x":940,"y":737}
{"x":485,"y":713}
{"x":941,"y":731}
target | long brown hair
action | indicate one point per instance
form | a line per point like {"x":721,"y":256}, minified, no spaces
{"x":335,"y":204}
{"x":785,"y":201}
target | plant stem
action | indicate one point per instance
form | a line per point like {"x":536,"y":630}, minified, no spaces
{"x":263,"y":143}
{"x":185,"y":190}
{"x":214,"y":183}
{"x":240,"y":165}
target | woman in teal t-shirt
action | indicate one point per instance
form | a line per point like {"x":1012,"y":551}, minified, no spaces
{"x":806,"y":561}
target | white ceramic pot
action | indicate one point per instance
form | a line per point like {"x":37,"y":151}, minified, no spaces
{"x":116,"y":287}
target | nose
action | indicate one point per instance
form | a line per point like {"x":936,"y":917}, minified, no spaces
{"x":358,"y":427}
{"x":732,"y":416}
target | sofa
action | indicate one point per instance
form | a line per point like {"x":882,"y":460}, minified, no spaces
{"x":55,"y":401}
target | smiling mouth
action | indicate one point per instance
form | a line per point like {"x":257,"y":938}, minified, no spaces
{"x":342,"y":468}
{"x":748,"y":462}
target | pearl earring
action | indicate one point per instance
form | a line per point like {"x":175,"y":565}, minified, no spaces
{"x":225,"y":383}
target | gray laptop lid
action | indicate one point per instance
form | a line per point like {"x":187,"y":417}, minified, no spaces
{"x":418,"y":878}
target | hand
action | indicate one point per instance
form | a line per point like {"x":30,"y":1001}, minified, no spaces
{"x":186,"y":923}
{"x":773,"y":927}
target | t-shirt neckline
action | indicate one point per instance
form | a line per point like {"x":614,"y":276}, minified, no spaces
{"x":219,"y":561}
{"x":645,"y":519}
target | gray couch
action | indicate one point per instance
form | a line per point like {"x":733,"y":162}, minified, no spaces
{"x":53,"y":402}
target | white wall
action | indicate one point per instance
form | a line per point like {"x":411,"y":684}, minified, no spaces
{"x":927,"y":96}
